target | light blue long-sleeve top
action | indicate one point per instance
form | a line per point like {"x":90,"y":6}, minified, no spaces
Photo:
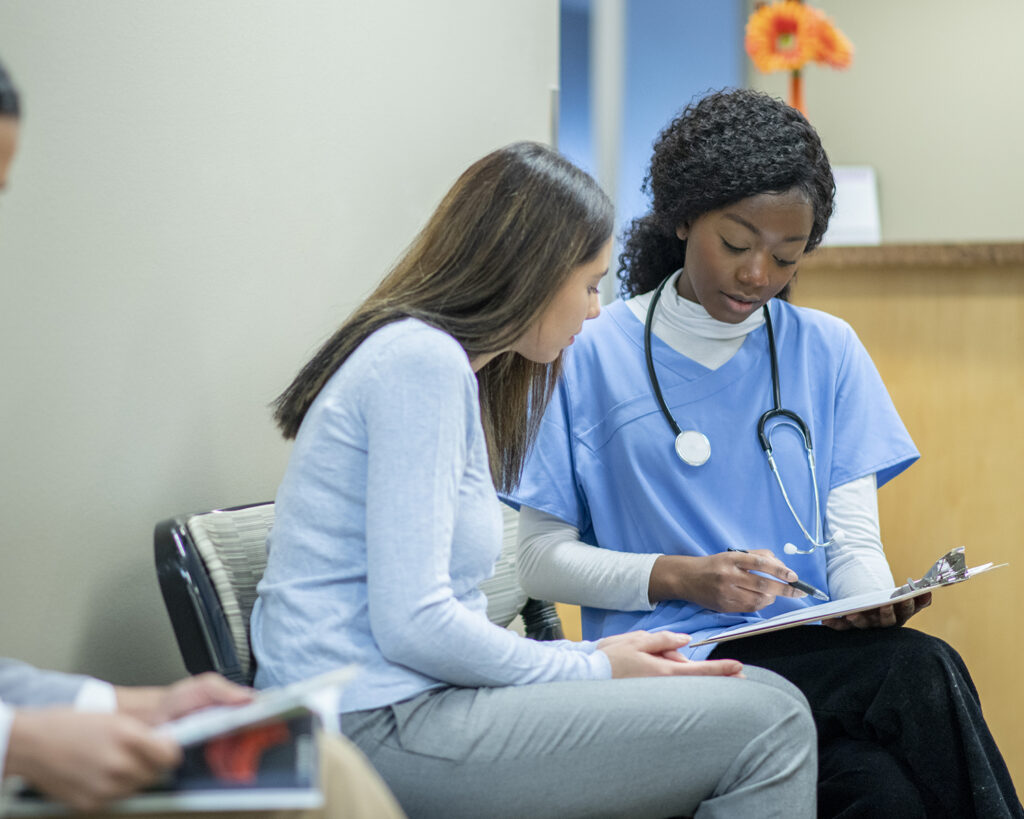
{"x":385,"y":524}
{"x":21,"y":684}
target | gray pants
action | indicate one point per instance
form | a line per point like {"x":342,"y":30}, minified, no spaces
{"x":665,"y":746}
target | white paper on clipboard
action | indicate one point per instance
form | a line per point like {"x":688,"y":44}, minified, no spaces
{"x":934,"y":579}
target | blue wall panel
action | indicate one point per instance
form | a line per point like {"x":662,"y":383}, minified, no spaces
{"x":574,"y":138}
{"x":674,"y":50}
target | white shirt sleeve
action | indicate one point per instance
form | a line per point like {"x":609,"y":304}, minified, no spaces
{"x":96,"y":696}
{"x":6,"y":717}
{"x":554,"y":564}
{"x":857,"y":564}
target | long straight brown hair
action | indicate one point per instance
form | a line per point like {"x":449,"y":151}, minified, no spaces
{"x":489,"y":260}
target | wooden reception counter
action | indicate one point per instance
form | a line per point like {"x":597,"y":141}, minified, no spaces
{"x":936,"y":256}
{"x":945,"y":326}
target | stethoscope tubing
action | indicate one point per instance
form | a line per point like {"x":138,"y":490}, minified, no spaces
{"x":763,"y":433}
{"x":649,"y":357}
{"x":777,"y":411}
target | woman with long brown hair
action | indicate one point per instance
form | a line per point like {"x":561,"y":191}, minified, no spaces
{"x":387,"y":521}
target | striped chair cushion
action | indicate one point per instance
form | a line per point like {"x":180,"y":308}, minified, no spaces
{"x":233,"y":545}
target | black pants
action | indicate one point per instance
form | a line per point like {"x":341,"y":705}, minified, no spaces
{"x":900,"y":728}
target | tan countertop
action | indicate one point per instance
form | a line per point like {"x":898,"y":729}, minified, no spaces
{"x":973,"y":254}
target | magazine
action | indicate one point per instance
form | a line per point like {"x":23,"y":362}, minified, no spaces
{"x":254,"y":757}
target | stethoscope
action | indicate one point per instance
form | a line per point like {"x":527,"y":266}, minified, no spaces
{"x":694,"y":448}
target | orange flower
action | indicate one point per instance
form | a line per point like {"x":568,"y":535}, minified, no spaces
{"x":781,"y":36}
{"x":832,"y":46}
{"x":785,"y":35}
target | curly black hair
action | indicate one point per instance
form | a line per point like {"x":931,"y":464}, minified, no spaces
{"x":9,"y":106}
{"x":721,"y":149}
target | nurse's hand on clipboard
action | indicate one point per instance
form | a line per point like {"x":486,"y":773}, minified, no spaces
{"x":723,"y":582}
{"x":882,"y":617}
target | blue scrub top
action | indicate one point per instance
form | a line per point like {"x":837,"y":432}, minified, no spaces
{"x":605,"y":462}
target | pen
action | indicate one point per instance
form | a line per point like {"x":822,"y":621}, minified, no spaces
{"x":799,"y":585}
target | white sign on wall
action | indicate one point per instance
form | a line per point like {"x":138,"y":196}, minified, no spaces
{"x":855,"y":221}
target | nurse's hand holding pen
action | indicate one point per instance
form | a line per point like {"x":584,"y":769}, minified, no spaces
{"x":656,"y":654}
{"x":722,"y":582}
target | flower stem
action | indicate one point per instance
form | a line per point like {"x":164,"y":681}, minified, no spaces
{"x":796,"y":91}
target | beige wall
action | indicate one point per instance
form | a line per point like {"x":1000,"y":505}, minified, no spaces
{"x":204,"y":190}
{"x":933,"y":101}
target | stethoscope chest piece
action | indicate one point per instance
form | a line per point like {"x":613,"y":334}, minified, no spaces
{"x":693,"y":447}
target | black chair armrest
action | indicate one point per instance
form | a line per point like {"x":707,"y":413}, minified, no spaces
{"x":200,"y":627}
{"x":541,"y":621}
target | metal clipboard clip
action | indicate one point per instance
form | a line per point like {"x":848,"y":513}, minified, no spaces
{"x":950,"y":568}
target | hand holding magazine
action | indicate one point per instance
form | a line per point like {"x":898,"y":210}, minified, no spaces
{"x":270,"y":704}
{"x":253,"y":757}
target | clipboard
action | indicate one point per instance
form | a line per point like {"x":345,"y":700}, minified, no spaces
{"x":948,"y":570}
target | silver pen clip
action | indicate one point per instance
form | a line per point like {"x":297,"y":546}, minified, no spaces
{"x":950,"y":568}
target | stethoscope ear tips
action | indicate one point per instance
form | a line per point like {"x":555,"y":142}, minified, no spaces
{"x":790,"y":549}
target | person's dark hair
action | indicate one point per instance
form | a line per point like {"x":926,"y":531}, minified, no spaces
{"x":9,"y":105}
{"x":489,"y":260}
{"x":719,"y":150}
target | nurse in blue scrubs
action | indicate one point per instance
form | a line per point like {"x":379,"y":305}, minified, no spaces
{"x":630,"y":508}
